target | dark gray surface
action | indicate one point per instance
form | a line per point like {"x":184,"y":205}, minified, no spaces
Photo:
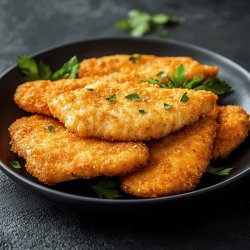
{"x":30,"y":222}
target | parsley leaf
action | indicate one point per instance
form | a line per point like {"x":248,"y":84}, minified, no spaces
{"x":89,"y":88}
{"x":184,"y":98}
{"x":143,"y":111}
{"x":215,"y":85}
{"x":50,"y":128}
{"x":105,"y":189}
{"x":179,"y":76}
{"x":161,"y":74}
{"x":140,"y":23}
{"x":68,"y":70}
{"x":154,"y":82}
{"x":16,"y":165}
{"x":221,"y":171}
{"x":135,"y":58}
{"x":167,"y":106}
{"x":32,"y":70}
{"x":133,"y":96}
{"x":111,"y":98}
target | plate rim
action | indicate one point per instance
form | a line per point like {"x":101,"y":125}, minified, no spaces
{"x":73,"y":197}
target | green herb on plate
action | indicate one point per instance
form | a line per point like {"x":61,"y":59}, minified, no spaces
{"x":111,"y":98}
{"x":134,"y":58}
{"x":106,"y":189}
{"x":133,"y":96}
{"x":167,"y":106}
{"x":153,"y":82}
{"x":50,"y":128}
{"x":16,"y":165}
{"x":32,"y":70}
{"x":221,"y":171}
{"x":185,"y":97}
{"x":143,"y":111}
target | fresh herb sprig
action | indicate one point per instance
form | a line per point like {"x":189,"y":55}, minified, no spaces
{"x":221,"y":171}
{"x":50,"y":128}
{"x":106,"y":189}
{"x":179,"y":80}
{"x":32,"y":70}
{"x":140,"y":23}
{"x":16,"y":165}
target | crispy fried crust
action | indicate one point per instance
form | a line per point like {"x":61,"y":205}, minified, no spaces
{"x":147,"y":66}
{"x":89,"y":114}
{"x":34,"y":96}
{"x":232,"y":130}
{"x":177,"y":162}
{"x":59,"y":156}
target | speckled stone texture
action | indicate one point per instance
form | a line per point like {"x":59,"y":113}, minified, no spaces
{"x":30,"y":222}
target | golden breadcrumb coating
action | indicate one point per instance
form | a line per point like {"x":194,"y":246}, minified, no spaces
{"x":58,"y":156}
{"x":233,"y":127}
{"x":34,"y":96}
{"x":177,"y":162}
{"x":146,"y":66}
{"x":89,"y":114}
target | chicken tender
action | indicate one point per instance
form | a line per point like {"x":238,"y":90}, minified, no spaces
{"x":146,"y":66}
{"x":233,"y":127}
{"x":129,"y":112}
{"x":54,"y":155}
{"x":34,"y":96}
{"x":177,"y":162}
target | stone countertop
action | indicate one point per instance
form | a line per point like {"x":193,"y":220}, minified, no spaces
{"x":30,"y":222}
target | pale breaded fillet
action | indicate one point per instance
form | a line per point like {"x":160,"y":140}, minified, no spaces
{"x":57,"y":155}
{"x":90,"y":114}
{"x":34,"y":96}
{"x":177,"y":162}
{"x":233,"y":127}
{"x":146,"y":66}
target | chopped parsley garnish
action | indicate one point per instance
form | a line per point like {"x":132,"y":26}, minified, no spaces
{"x":179,"y":80}
{"x":16,"y":165}
{"x":153,"y":82}
{"x":50,"y":128}
{"x":161,"y":74}
{"x":167,"y":106}
{"x":133,"y":96}
{"x":111,"y":98}
{"x":215,"y":85}
{"x":221,"y":171}
{"x":140,"y":23}
{"x":89,"y":88}
{"x":184,"y":98}
{"x":179,"y":76}
{"x":32,"y":70}
{"x":134,"y":58}
{"x":143,"y":111}
{"x":106,"y":189}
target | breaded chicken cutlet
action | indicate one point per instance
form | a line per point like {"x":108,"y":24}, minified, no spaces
{"x":54,"y":154}
{"x":144,"y":66}
{"x":177,"y":162}
{"x":128,"y":111}
{"x":34,"y":96}
{"x":233,"y":127}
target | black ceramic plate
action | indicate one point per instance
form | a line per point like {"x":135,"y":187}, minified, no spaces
{"x":78,"y":193}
